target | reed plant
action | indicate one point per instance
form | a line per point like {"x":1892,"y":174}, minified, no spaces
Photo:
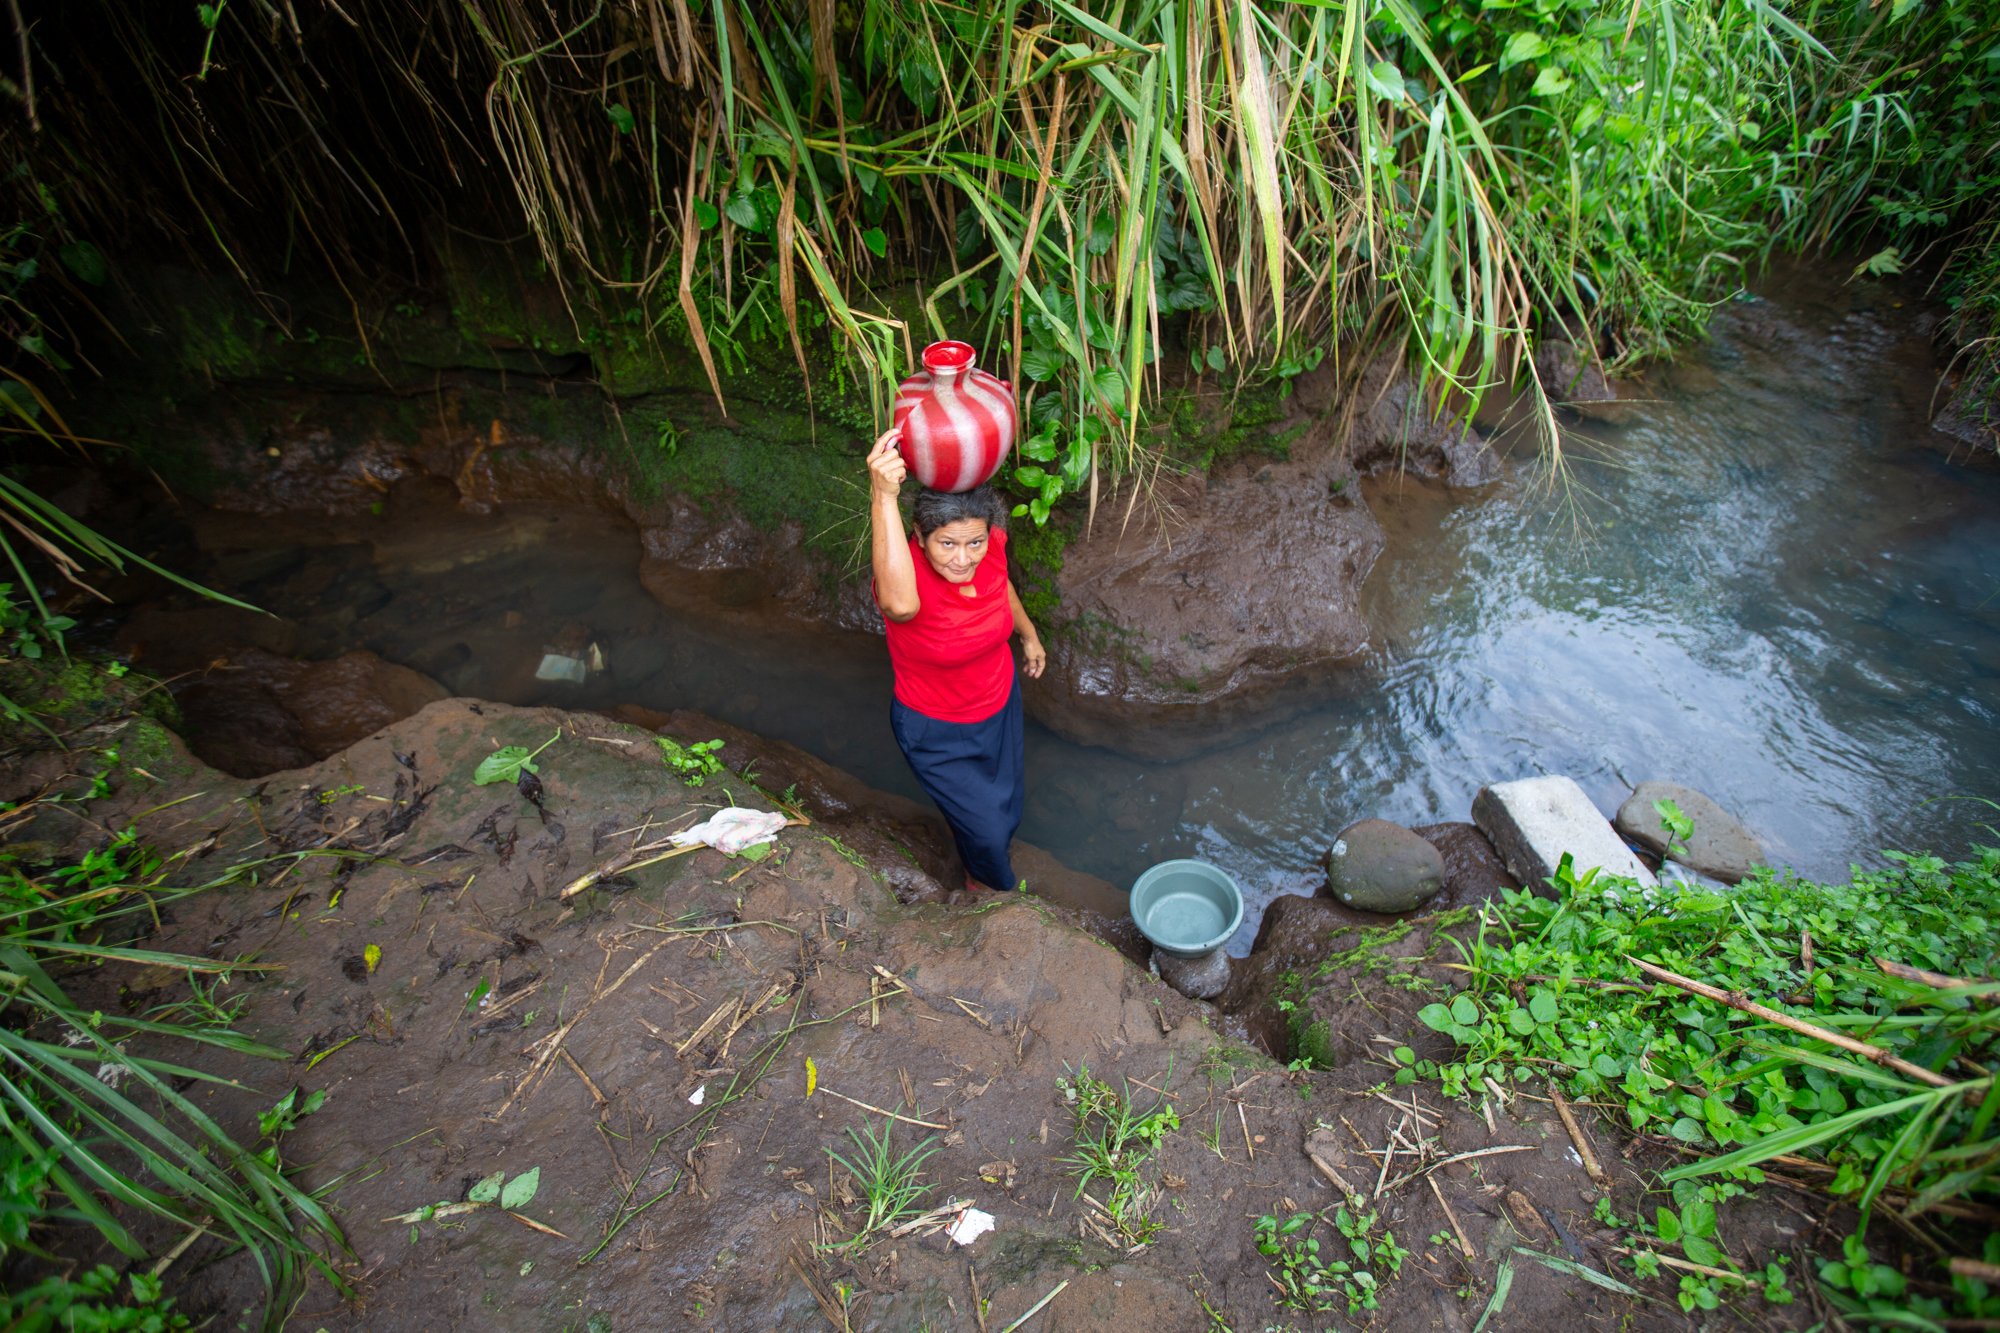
{"x":100,"y":1125}
{"x":1116,"y":196}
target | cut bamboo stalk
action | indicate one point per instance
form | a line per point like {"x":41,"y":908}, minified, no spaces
{"x":1591,"y":1166}
{"x":1744,"y":1004}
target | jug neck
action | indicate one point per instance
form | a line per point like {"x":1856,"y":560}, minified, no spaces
{"x":948,"y":362}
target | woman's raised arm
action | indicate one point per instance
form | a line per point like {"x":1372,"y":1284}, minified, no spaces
{"x":895,"y":576}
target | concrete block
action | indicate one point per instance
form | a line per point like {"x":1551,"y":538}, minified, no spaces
{"x":1535,"y":820}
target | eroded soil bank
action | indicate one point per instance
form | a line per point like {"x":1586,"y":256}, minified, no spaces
{"x":645,"y":1045}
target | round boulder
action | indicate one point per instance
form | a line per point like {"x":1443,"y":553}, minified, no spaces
{"x":1377,"y":866}
{"x":1719,"y":847}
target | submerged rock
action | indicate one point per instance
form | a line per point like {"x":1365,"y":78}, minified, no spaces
{"x":1394,"y":427}
{"x":1377,"y":866}
{"x":1720,"y":846}
{"x":1573,"y":378}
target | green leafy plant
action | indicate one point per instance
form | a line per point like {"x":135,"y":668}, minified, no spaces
{"x":693,"y":763}
{"x":1113,"y":1140}
{"x":509,"y":762}
{"x":1308,"y":1281}
{"x":496,"y":1190}
{"x":90,"y":1302}
{"x":891,"y":1183}
{"x":1895,"y":958}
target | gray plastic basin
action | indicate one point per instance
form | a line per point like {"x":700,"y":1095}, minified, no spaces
{"x":1187,"y":908}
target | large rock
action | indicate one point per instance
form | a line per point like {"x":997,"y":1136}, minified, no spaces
{"x":1574,"y":378}
{"x":1377,"y":866}
{"x":1720,"y":846}
{"x":1211,"y":587}
{"x":1473,"y":870}
{"x":1534,"y":821}
{"x":1394,"y":427}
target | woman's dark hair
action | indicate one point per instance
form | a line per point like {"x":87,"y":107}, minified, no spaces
{"x":934,"y":509}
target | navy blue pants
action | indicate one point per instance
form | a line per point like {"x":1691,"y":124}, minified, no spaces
{"x":977,"y":774}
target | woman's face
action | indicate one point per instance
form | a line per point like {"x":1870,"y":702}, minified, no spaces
{"x":956,"y":548}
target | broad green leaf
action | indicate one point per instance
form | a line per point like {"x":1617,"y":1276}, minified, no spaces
{"x":487,"y":1190}
{"x":1550,"y":82}
{"x":876,"y":241}
{"x":503,"y":765}
{"x":1542,"y":1007}
{"x":86,"y":261}
{"x":620,"y":117}
{"x":1436,"y":1017}
{"x":1522,"y":46}
{"x":1464,"y":1010}
{"x":1667,"y":1223}
{"x":520,"y":1191}
{"x":1386,"y":80}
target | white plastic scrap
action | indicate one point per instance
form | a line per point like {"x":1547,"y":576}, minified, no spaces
{"x":732,"y":830}
{"x":970,"y":1224}
{"x":698,"y":1096}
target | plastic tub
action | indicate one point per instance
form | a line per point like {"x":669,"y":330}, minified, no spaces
{"x":1187,"y":908}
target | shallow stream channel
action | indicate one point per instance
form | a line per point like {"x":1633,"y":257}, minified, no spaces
{"x":1770,"y":580}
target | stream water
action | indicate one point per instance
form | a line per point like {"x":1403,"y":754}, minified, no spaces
{"x":1769,"y":582}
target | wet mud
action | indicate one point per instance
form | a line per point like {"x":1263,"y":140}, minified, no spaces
{"x":677,"y":1050}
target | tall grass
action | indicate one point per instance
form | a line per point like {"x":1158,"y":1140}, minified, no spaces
{"x":99,"y":1121}
{"x":1104,"y":194}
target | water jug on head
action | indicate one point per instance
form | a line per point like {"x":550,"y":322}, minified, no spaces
{"x":957,"y":421}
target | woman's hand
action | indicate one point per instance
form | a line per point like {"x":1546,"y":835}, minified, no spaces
{"x":1033,"y":657}
{"x":886,"y":468}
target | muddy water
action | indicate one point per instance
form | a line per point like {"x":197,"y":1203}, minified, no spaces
{"x":1768,"y":582}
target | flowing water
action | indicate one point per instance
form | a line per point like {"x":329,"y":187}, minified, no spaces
{"x":1770,"y":583}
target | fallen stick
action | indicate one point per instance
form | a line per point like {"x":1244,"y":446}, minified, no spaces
{"x":908,"y":1120}
{"x":618,"y":865}
{"x":1591,"y":1166}
{"x":1743,"y":1004}
{"x":1339,"y":1182}
{"x":577,"y":1069}
{"x":1935,"y":980}
{"x":1974,"y":1269}
{"x":1408,"y":1176}
{"x":1464,"y":1245}
{"x":1036,"y":1308}
{"x":533,"y":1225}
{"x":1689,"y":1266}
{"x":553,"y":1043}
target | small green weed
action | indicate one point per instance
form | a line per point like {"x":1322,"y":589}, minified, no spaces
{"x":90,"y":1302}
{"x":1113,"y":1141}
{"x":891,"y":1184}
{"x":693,"y":763}
{"x":509,"y":762}
{"x":1314,"y":1284}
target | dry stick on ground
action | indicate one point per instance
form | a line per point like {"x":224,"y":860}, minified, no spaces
{"x":926,"y":1124}
{"x":1935,"y":980}
{"x":552,"y":1044}
{"x":1591,"y":1166}
{"x":1464,"y":1245}
{"x":978,"y":1301}
{"x":1744,"y":1004}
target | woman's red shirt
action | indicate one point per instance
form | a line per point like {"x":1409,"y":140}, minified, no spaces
{"x":952,"y":660}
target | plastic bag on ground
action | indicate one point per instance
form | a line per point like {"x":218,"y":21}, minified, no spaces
{"x":732,"y":830}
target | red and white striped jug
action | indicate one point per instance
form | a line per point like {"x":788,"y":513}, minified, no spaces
{"x":958,"y":422}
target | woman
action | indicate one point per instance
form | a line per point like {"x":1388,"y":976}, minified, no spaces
{"x":949,"y":609}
